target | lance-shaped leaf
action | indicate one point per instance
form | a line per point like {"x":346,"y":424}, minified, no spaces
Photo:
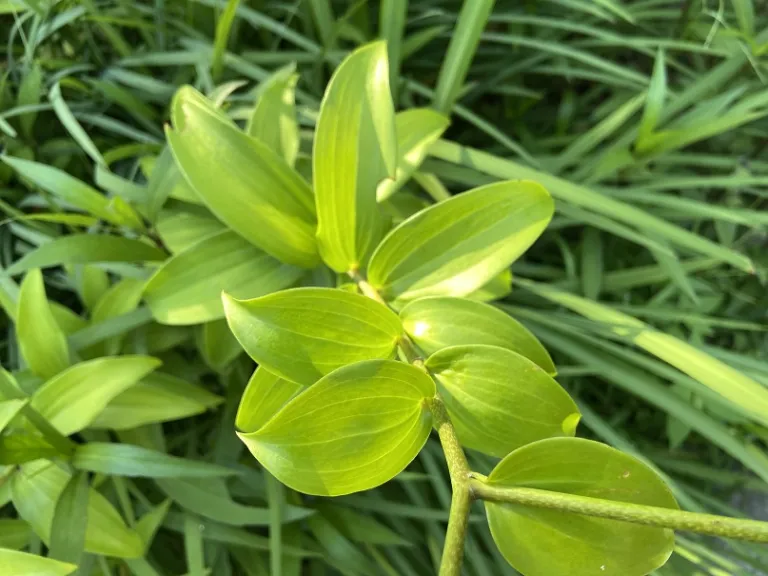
{"x":455,"y":247}
{"x":355,"y":149}
{"x":71,"y":400}
{"x":74,"y":192}
{"x":43,"y":343}
{"x":440,"y":322}
{"x":264,"y":395}
{"x":187,"y":289}
{"x":541,"y":542}
{"x":417,"y":130}
{"x":498,"y":400}
{"x":305,"y":333}
{"x":15,"y":563}
{"x":353,"y":430}
{"x":244,"y":183}
{"x":36,"y":488}
{"x":274,"y":116}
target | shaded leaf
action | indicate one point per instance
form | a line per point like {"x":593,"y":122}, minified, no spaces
{"x":540,"y":542}
{"x":274,"y":116}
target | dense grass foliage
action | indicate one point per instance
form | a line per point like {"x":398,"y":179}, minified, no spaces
{"x":645,"y":120}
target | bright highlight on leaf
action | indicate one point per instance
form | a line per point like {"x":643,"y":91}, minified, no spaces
{"x":355,"y":149}
{"x":437,"y":323}
{"x":541,"y":542}
{"x":455,"y":247}
{"x":353,"y":430}
{"x":305,"y":333}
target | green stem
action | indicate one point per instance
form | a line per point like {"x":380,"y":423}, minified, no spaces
{"x":366,"y":288}
{"x":458,"y":468}
{"x":638,"y":514}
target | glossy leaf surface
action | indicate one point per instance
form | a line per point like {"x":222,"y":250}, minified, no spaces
{"x":305,"y":333}
{"x":355,"y":149}
{"x":355,"y":429}
{"x":540,"y":542}
{"x":439,"y":322}
{"x":498,"y":400}
{"x":455,"y":247}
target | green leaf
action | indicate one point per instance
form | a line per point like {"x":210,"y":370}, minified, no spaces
{"x":274,"y":116}
{"x":157,"y":398}
{"x":305,"y":333}
{"x":654,"y":100}
{"x":181,"y":229}
{"x":439,"y":322}
{"x":540,"y":542}
{"x":417,"y":129}
{"x":355,"y":149}
{"x":72,"y":125}
{"x":210,"y":498}
{"x":36,"y":489}
{"x":498,"y":400}
{"x":264,"y":395}
{"x":70,"y":520}
{"x":455,"y":247}
{"x":8,"y":411}
{"x":187,"y":289}
{"x":150,"y":523}
{"x":497,"y":287}
{"x":353,"y":430}
{"x":217,"y":345}
{"x":121,"y":298}
{"x":73,"y":191}
{"x":733,"y":385}
{"x":86,"y":249}
{"x":30,"y":91}
{"x":43,"y":344}
{"x":135,"y":461}
{"x":464,"y":40}
{"x":223,"y":27}
{"x":16,"y":563}
{"x":71,"y":400}
{"x":92,"y":282}
{"x":267,"y":202}
{"x":14,"y":534}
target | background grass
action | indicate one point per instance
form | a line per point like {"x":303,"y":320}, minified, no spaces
{"x":646,"y":120}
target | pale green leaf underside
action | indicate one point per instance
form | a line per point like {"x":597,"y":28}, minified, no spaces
{"x":455,"y":247}
{"x":499,"y":400}
{"x":353,"y":430}
{"x":305,"y":333}
{"x":540,"y":542}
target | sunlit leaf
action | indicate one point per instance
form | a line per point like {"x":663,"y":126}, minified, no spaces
{"x":353,"y":430}
{"x":498,"y":400}
{"x":455,"y":247}
{"x":439,"y":322}
{"x":36,"y":489}
{"x":274,"y":116}
{"x":187,"y":289}
{"x":305,"y":333}
{"x":267,"y":203}
{"x":15,"y":563}
{"x":71,"y":400}
{"x":355,"y":149}
{"x":264,"y":395}
{"x":43,"y":343}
